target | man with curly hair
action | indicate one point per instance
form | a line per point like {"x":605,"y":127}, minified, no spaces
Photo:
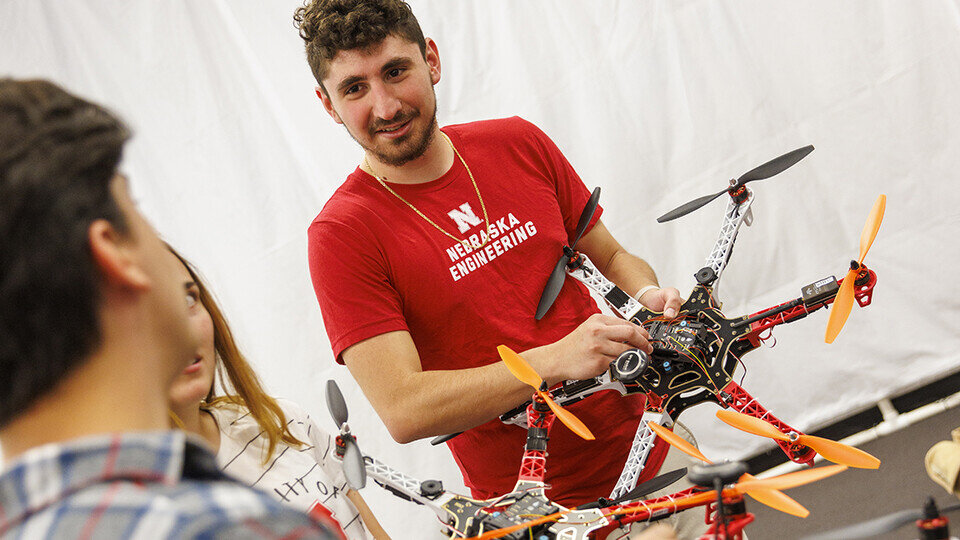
{"x":436,"y":249}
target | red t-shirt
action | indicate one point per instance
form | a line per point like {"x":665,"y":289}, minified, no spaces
{"x":379,"y":267}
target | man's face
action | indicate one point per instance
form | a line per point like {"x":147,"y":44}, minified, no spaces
{"x":165,"y":299}
{"x":384,"y":98}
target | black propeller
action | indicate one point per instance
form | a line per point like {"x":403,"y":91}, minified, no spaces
{"x":884,"y":524}
{"x":555,"y":281}
{"x":440,"y":439}
{"x":354,"y":468}
{"x":643,"y":489}
{"x":773,"y":167}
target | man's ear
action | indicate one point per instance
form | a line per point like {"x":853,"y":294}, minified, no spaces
{"x":432,"y":57}
{"x":114,"y":258}
{"x":327,"y":104}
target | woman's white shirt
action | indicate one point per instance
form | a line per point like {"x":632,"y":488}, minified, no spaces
{"x":310,"y":478}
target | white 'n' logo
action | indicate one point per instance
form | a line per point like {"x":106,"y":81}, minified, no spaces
{"x":464,"y":217}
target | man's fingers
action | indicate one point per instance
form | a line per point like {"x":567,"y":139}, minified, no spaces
{"x":671,"y":302}
{"x":631,"y":334}
{"x":612,"y":350}
{"x":623,"y":330}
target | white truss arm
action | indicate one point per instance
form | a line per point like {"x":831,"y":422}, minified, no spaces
{"x":407,"y":485}
{"x":643,"y":443}
{"x":735,"y":215}
{"x":623,"y":303}
{"x":577,"y":524}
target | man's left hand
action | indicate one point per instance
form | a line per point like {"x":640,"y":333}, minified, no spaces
{"x":666,"y":300}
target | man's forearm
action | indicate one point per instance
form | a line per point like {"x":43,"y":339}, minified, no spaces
{"x":629,"y":272}
{"x":415,"y":404}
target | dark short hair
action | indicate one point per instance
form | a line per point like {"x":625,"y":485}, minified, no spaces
{"x":58,"y":156}
{"x":331,"y":26}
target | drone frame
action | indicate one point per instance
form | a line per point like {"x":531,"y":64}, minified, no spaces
{"x":673,"y":385}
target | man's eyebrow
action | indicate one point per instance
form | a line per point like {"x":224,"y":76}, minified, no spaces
{"x":398,"y":61}
{"x":348,"y":82}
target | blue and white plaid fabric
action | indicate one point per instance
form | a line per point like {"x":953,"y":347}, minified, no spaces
{"x":136,"y":485}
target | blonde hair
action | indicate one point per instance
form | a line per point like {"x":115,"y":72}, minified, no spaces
{"x":235,"y":375}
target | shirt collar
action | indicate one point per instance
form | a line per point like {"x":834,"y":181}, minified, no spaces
{"x":46,"y":474}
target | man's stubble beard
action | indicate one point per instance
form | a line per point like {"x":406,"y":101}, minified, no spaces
{"x":419,"y":146}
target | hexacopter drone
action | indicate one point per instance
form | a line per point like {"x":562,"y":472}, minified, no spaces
{"x":696,"y":353}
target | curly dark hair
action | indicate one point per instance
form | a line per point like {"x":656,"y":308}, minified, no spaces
{"x":331,"y":26}
{"x":58,"y":157}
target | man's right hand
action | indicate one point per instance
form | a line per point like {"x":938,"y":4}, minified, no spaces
{"x":414,"y":404}
{"x":588,"y":350}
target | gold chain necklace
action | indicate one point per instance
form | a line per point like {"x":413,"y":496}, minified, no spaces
{"x":483,"y":207}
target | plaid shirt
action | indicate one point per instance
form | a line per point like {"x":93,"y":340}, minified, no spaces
{"x":136,"y":485}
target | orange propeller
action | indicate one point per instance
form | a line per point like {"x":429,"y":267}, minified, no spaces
{"x":789,"y":480}
{"x":830,"y":450}
{"x":844,"y":299}
{"x":769,"y":497}
{"x":677,"y":442}
{"x":525,"y":373}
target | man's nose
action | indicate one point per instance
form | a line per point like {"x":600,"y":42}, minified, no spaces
{"x":386,"y":105}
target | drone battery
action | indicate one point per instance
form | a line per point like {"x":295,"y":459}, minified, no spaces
{"x":820,"y":291}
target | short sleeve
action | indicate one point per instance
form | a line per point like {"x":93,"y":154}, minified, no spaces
{"x":357,"y":300}
{"x":572,"y":193}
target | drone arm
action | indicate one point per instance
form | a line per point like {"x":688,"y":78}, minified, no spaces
{"x":403,"y":484}
{"x":799,"y":308}
{"x":533,"y":466}
{"x":627,"y":306}
{"x":733,"y":395}
{"x":643,"y":443}
{"x":737,"y":212}
{"x":570,"y":392}
{"x":658,"y":508}
{"x":455,"y":510}
{"x":629,"y":272}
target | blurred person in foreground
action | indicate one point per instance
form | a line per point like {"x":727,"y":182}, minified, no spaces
{"x":93,"y":330}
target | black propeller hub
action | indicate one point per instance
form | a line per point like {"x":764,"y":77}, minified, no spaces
{"x":431,"y":489}
{"x":727,"y":473}
{"x":706,"y":276}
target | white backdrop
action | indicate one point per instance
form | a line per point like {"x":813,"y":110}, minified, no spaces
{"x":658,"y":102}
